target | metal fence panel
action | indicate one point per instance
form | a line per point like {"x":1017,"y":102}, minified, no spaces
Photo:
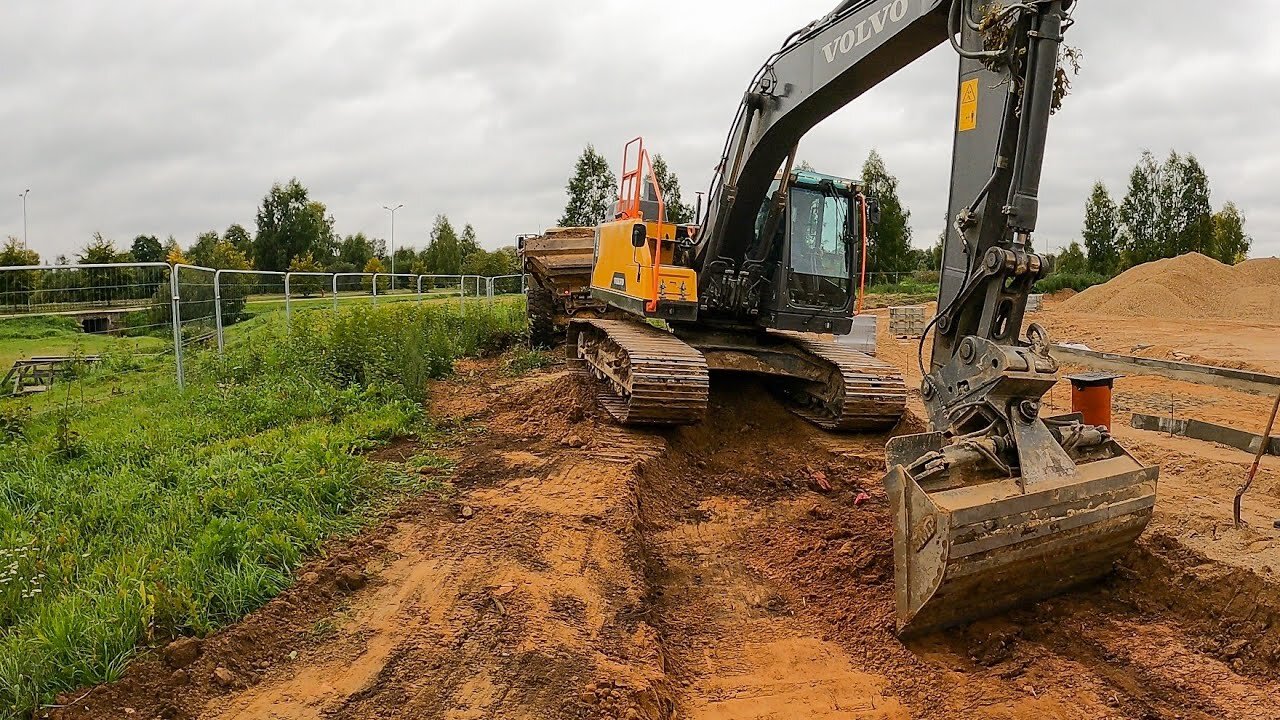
{"x":239,"y":294}
{"x":83,"y":302}
{"x":190,"y":307}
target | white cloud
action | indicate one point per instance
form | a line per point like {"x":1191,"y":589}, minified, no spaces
{"x":145,"y":116}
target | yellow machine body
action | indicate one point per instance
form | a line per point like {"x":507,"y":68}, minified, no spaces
{"x":642,"y":279}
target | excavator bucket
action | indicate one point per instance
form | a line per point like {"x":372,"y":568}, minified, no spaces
{"x":968,"y":545}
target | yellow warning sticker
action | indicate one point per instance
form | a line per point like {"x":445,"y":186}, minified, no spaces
{"x":968,"y":105}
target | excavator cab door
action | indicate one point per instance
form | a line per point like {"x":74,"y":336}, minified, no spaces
{"x":814,"y":281}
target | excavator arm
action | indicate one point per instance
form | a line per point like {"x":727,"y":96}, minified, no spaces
{"x":997,"y":506}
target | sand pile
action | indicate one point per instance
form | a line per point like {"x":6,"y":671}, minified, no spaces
{"x":1262,"y":270}
{"x":1190,"y":286}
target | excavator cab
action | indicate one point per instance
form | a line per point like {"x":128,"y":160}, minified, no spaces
{"x":819,"y":240}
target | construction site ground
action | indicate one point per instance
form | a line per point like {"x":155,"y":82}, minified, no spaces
{"x":584,"y":570}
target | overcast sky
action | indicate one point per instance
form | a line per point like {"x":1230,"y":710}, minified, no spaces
{"x":161,"y":117}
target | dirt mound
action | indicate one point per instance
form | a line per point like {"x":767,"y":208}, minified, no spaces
{"x":1189,"y":286}
{"x":1261,"y":270}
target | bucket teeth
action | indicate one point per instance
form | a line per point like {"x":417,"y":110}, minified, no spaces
{"x":973,"y":549}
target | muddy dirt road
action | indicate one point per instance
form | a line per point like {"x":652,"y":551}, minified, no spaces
{"x":583,"y":570}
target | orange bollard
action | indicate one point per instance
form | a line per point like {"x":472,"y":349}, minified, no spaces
{"x":1091,"y":396}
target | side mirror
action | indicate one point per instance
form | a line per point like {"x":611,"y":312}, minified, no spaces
{"x":873,"y":211}
{"x":639,"y":235}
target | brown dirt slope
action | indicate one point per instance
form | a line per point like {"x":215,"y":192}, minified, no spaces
{"x":1189,"y":286}
{"x":586,"y":571}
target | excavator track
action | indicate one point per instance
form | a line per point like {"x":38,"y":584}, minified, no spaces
{"x":650,"y":377}
{"x":863,"y":393}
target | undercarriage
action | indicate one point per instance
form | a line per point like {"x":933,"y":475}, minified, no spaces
{"x":655,"y":377}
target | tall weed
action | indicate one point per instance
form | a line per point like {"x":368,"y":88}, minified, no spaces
{"x":132,"y":512}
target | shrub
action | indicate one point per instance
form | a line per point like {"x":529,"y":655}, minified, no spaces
{"x":1069,"y":281}
{"x":133,"y":514}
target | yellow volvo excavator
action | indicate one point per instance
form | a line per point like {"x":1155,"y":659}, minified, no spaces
{"x":997,"y":505}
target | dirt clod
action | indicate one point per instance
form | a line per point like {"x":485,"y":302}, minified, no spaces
{"x":223,"y":677}
{"x":182,"y":652}
{"x":350,"y":579}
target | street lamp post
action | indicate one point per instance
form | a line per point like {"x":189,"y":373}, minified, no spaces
{"x":393,"y":210}
{"x":24,"y":217}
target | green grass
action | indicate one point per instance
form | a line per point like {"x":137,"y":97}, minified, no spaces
{"x":32,"y":336}
{"x":266,"y":303}
{"x":131,"y":513}
{"x":908,"y":292}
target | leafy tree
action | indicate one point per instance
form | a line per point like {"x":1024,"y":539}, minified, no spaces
{"x":147,"y":249}
{"x":804,"y":166}
{"x":889,"y":249}
{"x":1072,"y":260}
{"x":1187,"y":215}
{"x":1231,"y":243}
{"x":375,"y":266}
{"x":198,"y":298}
{"x":100,"y":250}
{"x":406,"y":257}
{"x":291,"y":224}
{"x":206,"y":245}
{"x":935,"y":253}
{"x":306,"y":285}
{"x":355,"y":251}
{"x":1167,"y":210}
{"x":443,"y":255}
{"x":1101,"y":231}
{"x":240,"y":238}
{"x":678,"y":211}
{"x":102,"y":284}
{"x":468,"y":244}
{"x":591,"y":191}
{"x":222,"y":255}
{"x":1140,"y":214}
{"x":14,"y":254}
{"x":504,"y":261}
{"x":173,"y":252}
{"x":511,"y":264}
{"x":18,"y":285}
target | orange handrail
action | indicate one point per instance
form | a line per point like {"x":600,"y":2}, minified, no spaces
{"x":630,"y":193}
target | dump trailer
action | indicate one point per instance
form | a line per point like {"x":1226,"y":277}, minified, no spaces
{"x":997,"y":505}
{"x":558,"y":264}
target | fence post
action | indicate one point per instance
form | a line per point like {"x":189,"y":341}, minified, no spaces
{"x":420,"y":287}
{"x":335,"y":291}
{"x":217,"y":308}
{"x":462,"y":292}
{"x":375,"y":288}
{"x":288,"y":308}
{"x":177,"y":324}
